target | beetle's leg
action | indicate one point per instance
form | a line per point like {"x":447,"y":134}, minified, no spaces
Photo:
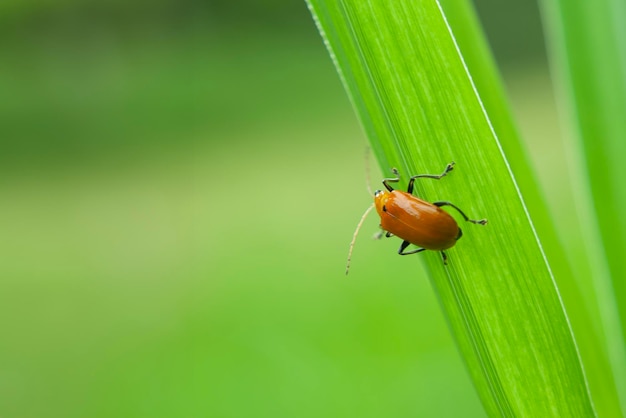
{"x":445,"y":258}
{"x":448,"y":168}
{"x":406,"y":244}
{"x":380,"y":234}
{"x":480,"y":221}
{"x":392,"y":180}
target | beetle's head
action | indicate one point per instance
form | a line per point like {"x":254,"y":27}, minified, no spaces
{"x":380,"y":198}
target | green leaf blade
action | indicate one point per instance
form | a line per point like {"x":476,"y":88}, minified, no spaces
{"x":588,"y":54}
{"x":412,"y":91}
{"x":582,"y":314}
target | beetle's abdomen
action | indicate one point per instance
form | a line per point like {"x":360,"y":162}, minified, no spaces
{"x":417,"y":221}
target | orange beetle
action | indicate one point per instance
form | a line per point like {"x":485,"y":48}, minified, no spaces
{"x":414,"y":220}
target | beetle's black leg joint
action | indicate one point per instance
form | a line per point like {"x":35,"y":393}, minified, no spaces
{"x":444,"y":203}
{"x":458,"y":237}
{"x":406,"y":244}
{"x":389,"y":235}
{"x":445,"y":258}
{"x":409,"y":189}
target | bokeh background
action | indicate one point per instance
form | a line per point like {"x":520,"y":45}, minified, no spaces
{"x":179,"y":182}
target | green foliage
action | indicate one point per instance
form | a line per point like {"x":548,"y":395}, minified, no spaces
{"x":420,"y":109}
{"x":588,"y":52}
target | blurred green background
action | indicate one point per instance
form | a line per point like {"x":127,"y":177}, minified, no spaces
{"x":179,"y":183}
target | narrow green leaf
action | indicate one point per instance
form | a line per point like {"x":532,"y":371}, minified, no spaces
{"x":588,"y":53}
{"x":583,"y":315}
{"x":414,"y":96}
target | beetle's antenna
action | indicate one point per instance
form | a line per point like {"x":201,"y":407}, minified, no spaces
{"x":356,"y":232}
{"x":368,"y":178}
